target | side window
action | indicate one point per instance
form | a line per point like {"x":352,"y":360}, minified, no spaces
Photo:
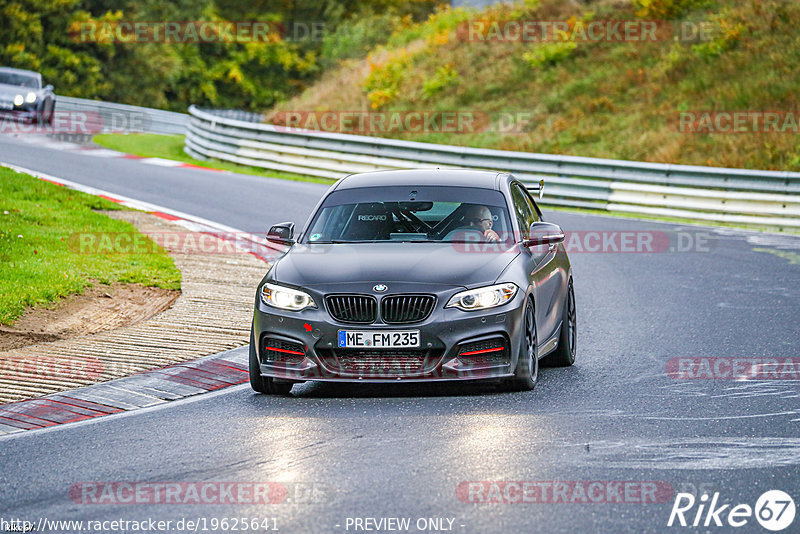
{"x":522,"y":209}
{"x":537,"y":213}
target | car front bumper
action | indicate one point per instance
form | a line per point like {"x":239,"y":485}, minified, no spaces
{"x":24,"y":113}
{"x":447,"y":340}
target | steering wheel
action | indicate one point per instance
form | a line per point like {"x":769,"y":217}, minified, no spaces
{"x":465,"y":234}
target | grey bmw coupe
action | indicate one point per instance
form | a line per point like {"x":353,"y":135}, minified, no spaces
{"x":415,"y":275}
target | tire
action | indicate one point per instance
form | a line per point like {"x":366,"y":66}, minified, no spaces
{"x":564,"y":355}
{"x":527,"y":371}
{"x":264,"y":384}
{"x":39,"y":116}
{"x":48,"y":111}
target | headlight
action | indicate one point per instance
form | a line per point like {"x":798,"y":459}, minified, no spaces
{"x":286,"y":298}
{"x":18,"y":100}
{"x":30,"y":98}
{"x":483,"y":297}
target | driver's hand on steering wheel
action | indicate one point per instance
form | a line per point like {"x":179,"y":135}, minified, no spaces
{"x":491,"y":236}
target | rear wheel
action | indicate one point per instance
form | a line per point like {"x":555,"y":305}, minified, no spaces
{"x":264,"y":384}
{"x":564,"y":355}
{"x":527,"y":370}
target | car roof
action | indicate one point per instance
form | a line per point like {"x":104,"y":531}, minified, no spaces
{"x":19,"y":71}
{"x":434,"y":177}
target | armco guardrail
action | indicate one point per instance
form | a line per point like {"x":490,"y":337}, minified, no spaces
{"x":112,"y":117}
{"x":761,"y":198}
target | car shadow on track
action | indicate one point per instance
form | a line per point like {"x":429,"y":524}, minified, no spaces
{"x":396,"y":390}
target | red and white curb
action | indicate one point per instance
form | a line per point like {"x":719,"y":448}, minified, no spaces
{"x":100,"y":152}
{"x":150,"y":387}
{"x":141,"y":390}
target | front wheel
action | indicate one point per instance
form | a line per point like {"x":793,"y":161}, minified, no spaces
{"x":264,"y":384}
{"x":45,"y":114}
{"x":50,"y":111}
{"x":564,"y":355}
{"x":527,"y":370}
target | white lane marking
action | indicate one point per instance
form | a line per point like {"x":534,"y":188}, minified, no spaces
{"x":785,"y":242}
{"x":101,"y":153}
{"x":87,"y":150}
{"x":161,"y":162}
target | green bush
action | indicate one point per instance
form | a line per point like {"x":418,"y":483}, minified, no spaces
{"x":665,"y":9}
{"x":355,"y":38}
{"x":549,"y":53}
{"x":383,"y":80}
{"x":444,"y":77}
{"x":444,"y":20}
{"x":726,"y":35}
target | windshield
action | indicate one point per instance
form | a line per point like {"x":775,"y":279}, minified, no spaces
{"x":21,"y":80}
{"x":436,"y":214}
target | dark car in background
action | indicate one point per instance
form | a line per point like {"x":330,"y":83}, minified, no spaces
{"x":23,"y":95}
{"x":416,"y":275}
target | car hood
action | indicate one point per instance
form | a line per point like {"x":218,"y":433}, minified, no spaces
{"x":8,"y":92}
{"x":449,"y":264}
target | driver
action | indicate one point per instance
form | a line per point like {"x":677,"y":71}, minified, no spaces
{"x":480,"y":218}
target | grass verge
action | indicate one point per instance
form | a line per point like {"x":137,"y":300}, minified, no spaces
{"x":171,"y":147}
{"x":39,"y":264}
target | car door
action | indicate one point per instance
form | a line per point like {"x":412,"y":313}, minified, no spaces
{"x":540,"y":267}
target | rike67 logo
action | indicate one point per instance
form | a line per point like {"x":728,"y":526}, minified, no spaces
{"x":774,"y":510}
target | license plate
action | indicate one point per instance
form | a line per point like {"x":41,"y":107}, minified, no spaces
{"x":378,"y":339}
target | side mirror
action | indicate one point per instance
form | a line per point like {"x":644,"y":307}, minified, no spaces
{"x":281,"y":234}
{"x":48,"y":87}
{"x":544,"y":233}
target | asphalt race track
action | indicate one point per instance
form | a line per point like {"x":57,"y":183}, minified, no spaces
{"x":353,"y":452}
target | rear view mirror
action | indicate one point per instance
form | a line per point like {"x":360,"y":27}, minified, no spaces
{"x":544,"y":233}
{"x":281,"y":234}
{"x":415,"y":206}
